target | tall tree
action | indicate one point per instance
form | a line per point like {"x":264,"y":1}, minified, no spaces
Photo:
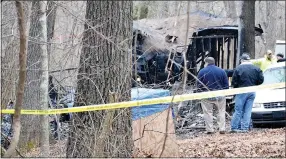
{"x":271,"y":24}
{"x":104,"y":77}
{"x":51,"y":18}
{"x":44,"y":67}
{"x":21,"y":83}
{"x":246,"y":29}
{"x":30,"y":136}
{"x":41,"y":31}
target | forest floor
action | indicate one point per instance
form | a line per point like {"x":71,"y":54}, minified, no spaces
{"x":260,"y":142}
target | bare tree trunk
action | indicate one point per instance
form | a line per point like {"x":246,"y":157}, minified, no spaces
{"x":51,"y":18}
{"x":104,"y":77}
{"x":9,"y":52}
{"x":271,"y":23}
{"x":30,"y":138}
{"x":246,"y":30}
{"x":21,"y":83}
{"x":44,"y":119}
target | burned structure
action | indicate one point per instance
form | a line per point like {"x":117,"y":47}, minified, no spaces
{"x":150,"y":65}
{"x":220,"y":42}
{"x":163,"y":65}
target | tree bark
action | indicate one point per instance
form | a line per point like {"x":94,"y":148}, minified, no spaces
{"x":30,"y":136}
{"x":246,"y":29}
{"x":44,"y":119}
{"x":9,"y":52}
{"x":104,"y":77}
{"x":51,"y":18}
{"x":271,"y":23}
{"x":21,"y":83}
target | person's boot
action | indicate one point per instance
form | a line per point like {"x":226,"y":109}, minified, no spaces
{"x":209,"y":132}
{"x":222,"y":132}
{"x":234,"y":131}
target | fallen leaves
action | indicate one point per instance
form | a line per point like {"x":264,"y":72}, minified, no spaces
{"x":262,"y":143}
{"x":259,"y":143}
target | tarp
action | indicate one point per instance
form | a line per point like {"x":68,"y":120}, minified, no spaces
{"x":150,"y":126}
{"x":145,"y":93}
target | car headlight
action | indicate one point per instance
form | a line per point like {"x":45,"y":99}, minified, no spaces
{"x":257,"y":105}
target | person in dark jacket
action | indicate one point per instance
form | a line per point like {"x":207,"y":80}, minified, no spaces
{"x":212,"y":78}
{"x":229,"y":72}
{"x":245,"y":75}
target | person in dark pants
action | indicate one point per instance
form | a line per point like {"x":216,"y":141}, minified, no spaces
{"x":214,"y":78}
{"x":245,"y":75}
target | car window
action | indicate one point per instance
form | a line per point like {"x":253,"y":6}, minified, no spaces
{"x":274,"y":75}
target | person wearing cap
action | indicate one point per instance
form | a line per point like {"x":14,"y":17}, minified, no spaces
{"x":245,"y":75}
{"x":280,"y":57}
{"x":212,"y":78}
{"x":265,"y":62}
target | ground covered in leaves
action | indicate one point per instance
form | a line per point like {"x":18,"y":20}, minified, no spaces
{"x":257,"y":143}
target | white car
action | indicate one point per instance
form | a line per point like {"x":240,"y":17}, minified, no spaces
{"x":269,"y":105}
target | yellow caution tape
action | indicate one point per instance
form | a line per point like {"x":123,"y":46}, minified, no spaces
{"x":168,"y":99}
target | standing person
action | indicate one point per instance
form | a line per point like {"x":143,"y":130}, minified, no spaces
{"x":214,"y":78}
{"x":245,"y":75}
{"x":263,"y":63}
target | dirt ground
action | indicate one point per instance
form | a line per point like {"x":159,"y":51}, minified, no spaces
{"x":257,"y":143}
{"x":264,"y":142}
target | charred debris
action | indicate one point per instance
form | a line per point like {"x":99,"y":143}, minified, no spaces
{"x":163,"y":66}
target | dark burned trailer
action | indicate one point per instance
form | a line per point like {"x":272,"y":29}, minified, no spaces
{"x":220,"y":42}
{"x":151,"y":65}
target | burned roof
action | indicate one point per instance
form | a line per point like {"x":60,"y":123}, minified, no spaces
{"x":223,"y":30}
